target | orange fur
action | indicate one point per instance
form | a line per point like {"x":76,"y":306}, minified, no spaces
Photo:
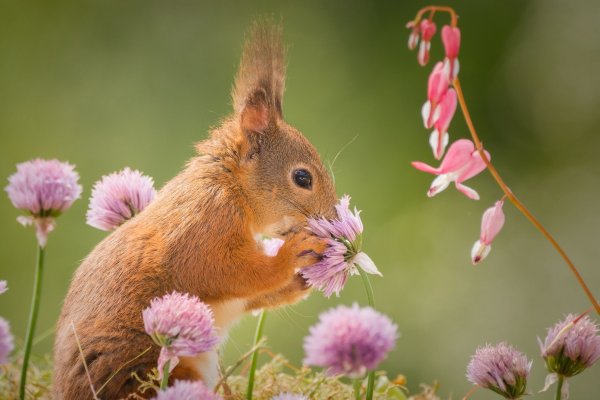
{"x":200,"y":236}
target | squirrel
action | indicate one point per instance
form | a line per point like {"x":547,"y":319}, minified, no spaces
{"x":254,"y":176}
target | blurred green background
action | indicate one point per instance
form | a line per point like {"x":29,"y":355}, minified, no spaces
{"x":108,"y":84}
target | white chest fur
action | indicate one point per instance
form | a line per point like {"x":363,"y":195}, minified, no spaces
{"x":226,"y":314}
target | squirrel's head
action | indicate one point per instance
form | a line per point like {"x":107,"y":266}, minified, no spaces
{"x":279,"y":170}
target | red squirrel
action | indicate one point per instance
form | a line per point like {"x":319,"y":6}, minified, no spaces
{"x":254,"y":176}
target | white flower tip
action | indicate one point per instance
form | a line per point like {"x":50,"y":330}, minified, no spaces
{"x":437,"y":146}
{"x":425,"y":113}
{"x":479,"y":252}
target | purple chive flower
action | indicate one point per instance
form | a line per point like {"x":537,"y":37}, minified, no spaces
{"x":350,"y":340}
{"x":343,"y":255}
{"x":6,"y":341}
{"x":186,"y":390}
{"x":571,"y":346}
{"x":44,"y":189}
{"x":501,"y":369}
{"x":119,"y":196}
{"x":182,"y":325}
{"x":3,"y":287}
{"x":289,"y":396}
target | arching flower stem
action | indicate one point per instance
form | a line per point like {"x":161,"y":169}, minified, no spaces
{"x":495,"y":174}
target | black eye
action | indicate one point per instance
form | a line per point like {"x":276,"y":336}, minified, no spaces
{"x":302,"y":178}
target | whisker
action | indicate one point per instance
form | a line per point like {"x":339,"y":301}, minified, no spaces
{"x":299,"y":207}
{"x":330,"y":164}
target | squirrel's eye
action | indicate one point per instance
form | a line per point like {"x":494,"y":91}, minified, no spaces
{"x":302,"y":178}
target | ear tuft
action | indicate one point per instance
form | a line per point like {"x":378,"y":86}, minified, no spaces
{"x":258,"y":90}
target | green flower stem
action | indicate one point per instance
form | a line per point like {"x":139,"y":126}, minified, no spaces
{"x":357,"y":385}
{"x":257,"y":336}
{"x":561,"y":380}
{"x":164,"y":383}
{"x":33,"y":315}
{"x":371,"y":300}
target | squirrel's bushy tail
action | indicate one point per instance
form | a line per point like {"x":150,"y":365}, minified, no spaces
{"x":262,"y":67}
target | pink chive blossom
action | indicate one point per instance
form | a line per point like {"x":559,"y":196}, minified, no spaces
{"x":461,"y":163}
{"x":413,"y":38}
{"x":451,"y":40}
{"x":428,"y":29}
{"x":439,"y":137}
{"x":44,"y":189}
{"x":501,"y":369}
{"x":3,"y":287}
{"x":289,"y":396}
{"x":118,"y":197}
{"x":350,"y":340}
{"x":187,"y":390}
{"x":271,"y":246}
{"x":182,"y":325}
{"x":491,"y":224}
{"x":437,"y":87}
{"x":6,"y":341}
{"x":343,"y":255}
{"x":571,"y":346}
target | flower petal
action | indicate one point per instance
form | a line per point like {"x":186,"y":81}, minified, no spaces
{"x":421,"y":166}
{"x":166,"y":355}
{"x":439,"y":184}
{"x":479,"y":252}
{"x":551,"y":379}
{"x":564,"y":393}
{"x":474,"y":167}
{"x":467,"y":191}
{"x":492,"y":222}
{"x":362,"y":260}
{"x":426,"y":112}
{"x":438,"y":143}
{"x":459,"y":155}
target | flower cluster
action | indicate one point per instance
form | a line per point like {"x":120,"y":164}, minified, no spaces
{"x":119,"y":196}
{"x":463,"y":160}
{"x":440,"y":106}
{"x":6,"y":339}
{"x":571,"y":346}
{"x":350,"y":340}
{"x":182,"y":325}
{"x":44,"y":189}
{"x":186,"y":390}
{"x":343,"y":255}
{"x":501,"y":369}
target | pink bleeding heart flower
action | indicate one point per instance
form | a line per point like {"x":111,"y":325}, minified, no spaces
{"x":491,"y":224}
{"x":413,"y":38}
{"x":439,"y":137}
{"x":451,"y":40}
{"x":437,"y":87}
{"x":462,"y":162}
{"x":428,"y":29}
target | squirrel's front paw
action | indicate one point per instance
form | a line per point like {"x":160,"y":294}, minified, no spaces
{"x":304,"y":249}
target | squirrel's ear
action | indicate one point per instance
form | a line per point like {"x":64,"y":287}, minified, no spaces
{"x":258,"y":90}
{"x":256,"y":114}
